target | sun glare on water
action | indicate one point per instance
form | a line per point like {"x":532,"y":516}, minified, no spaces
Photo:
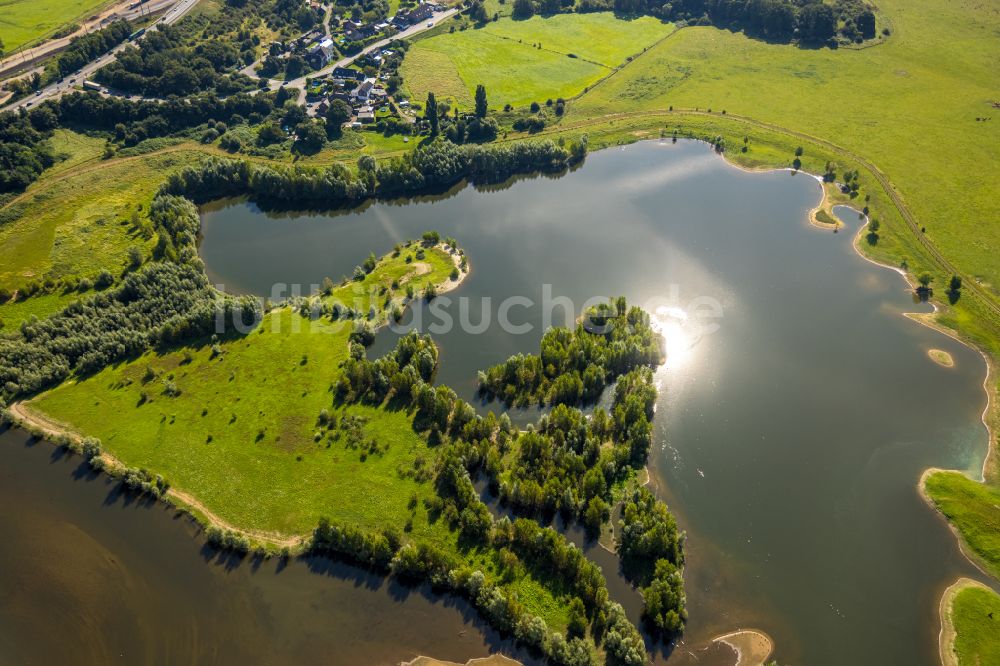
{"x":671,"y":323}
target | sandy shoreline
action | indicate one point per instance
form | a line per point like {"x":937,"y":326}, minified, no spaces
{"x":492,"y":660}
{"x":752,"y":646}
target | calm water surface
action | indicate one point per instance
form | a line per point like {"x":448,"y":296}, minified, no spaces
{"x":789,"y":441}
{"x":91,"y":576}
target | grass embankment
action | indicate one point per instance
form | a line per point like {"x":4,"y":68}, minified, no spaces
{"x":974,"y":509}
{"x":521,"y":62}
{"x":28,"y":21}
{"x":970,"y":625}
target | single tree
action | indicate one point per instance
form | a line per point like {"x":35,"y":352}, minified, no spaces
{"x":338,"y":114}
{"x":481,"y":104}
{"x":431,"y":113}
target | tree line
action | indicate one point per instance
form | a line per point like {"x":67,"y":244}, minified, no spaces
{"x":86,"y":48}
{"x":437,"y":165}
{"x":807,"y":21}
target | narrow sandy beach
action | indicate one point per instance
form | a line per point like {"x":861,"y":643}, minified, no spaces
{"x":752,"y":647}
{"x":492,"y":660}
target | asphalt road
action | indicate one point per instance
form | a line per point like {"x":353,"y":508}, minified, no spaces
{"x":64,"y":86}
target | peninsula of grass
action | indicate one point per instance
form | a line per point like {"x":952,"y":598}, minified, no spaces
{"x":971,"y":626}
{"x":242,"y":433}
{"x":974,"y":509}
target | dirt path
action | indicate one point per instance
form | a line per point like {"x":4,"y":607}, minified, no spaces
{"x":53,"y":429}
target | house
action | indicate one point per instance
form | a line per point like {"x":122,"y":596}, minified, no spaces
{"x":366,"y":114}
{"x":348,"y":74}
{"x":419,"y":13}
{"x":320,"y":54}
{"x":363,"y":91}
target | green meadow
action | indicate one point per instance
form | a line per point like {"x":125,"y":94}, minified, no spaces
{"x":526,"y":61}
{"x":243,"y":434}
{"x":28,"y":21}
{"x":81,"y":220}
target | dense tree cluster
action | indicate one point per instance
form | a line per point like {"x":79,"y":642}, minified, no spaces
{"x":24,"y":149}
{"x":809,"y":21}
{"x":575,"y":365}
{"x":131,"y":122}
{"x":437,"y":165}
{"x":651,"y":551}
{"x":164,"y":303}
{"x":161,"y":304}
{"x":403,"y":372}
{"x":167,"y":61}
{"x":89,"y":47}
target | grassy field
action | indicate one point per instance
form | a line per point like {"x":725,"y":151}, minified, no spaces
{"x":79,"y":222}
{"x":974,"y":509}
{"x":242,"y":434}
{"x":975,"y":614}
{"x":27,"y":21}
{"x":524,"y":61}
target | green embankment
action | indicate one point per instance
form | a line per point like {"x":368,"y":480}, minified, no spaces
{"x":975,"y":616}
{"x":974,"y":509}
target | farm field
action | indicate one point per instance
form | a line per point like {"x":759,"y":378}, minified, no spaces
{"x":521,"y":62}
{"x":26,"y":21}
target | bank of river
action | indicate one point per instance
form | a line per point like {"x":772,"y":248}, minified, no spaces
{"x":797,"y":408}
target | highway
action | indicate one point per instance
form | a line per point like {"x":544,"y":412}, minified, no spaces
{"x":172,"y":15}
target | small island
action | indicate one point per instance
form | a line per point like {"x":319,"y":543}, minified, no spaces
{"x":941,"y":357}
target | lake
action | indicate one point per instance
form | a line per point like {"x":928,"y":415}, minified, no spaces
{"x":797,"y":409}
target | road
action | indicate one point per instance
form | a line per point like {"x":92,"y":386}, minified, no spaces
{"x":26,"y":58}
{"x":300,"y":82}
{"x":174,"y":14}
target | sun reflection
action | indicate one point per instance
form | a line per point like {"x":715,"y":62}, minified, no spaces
{"x":670,"y":322}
